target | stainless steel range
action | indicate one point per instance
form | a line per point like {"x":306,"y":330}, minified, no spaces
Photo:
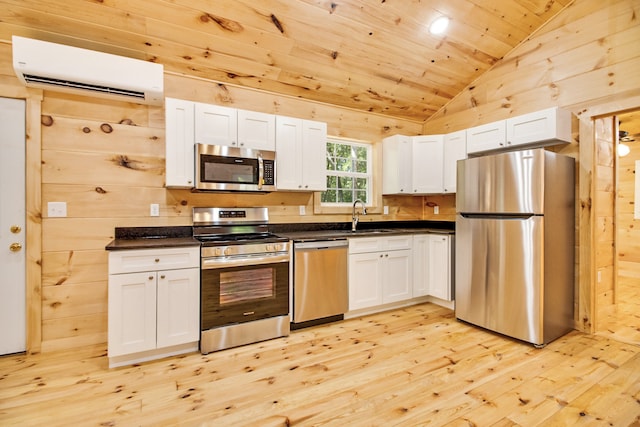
{"x":244,"y":285}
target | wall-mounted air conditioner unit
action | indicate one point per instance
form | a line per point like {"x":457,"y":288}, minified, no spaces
{"x":52,"y":66}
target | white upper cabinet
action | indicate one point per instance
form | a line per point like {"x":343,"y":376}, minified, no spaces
{"x":428,"y":155}
{"x":301,"y":152}
{"x":540,"y":128}
{"x":179,"y":146}
{"x":216,"y":125}
{"x":491,"y":136}
{"x":552,"y":124}
{"x":256,"y":130}
{"x":397,"y":161}
{"x":455,"y":148}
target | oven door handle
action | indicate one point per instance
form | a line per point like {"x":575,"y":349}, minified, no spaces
{"x":211,"y":263}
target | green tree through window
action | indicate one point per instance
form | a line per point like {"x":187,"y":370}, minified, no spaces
{"x":348,"y":172}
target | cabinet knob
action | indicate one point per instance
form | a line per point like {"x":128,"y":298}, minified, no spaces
{"x":508,"y":142}
{"x":306,"y":186}
{"x":150,"y":277}
{"x":15,"y":229}
{"x":157,"y":260}
{"x":386,"y":255}
{"x":381,"y":255}
{"x":162,"y":277}
{"x":300,"y":186}
{"x":15,"y":247}
{"x":501,"y":144}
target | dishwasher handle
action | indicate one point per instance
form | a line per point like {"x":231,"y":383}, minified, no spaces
{"x":321,"y":244}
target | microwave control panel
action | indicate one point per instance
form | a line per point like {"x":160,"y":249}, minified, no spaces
{"x":269,"y":172}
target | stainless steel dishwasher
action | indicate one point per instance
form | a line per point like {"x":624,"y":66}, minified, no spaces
{"x":320,"y":287}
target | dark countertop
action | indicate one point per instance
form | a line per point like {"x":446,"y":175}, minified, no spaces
{"x":152,"y":238}
{"x":338,"y":231}
{"x":171,"y":237}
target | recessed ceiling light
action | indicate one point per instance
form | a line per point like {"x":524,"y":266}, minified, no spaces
{"x":439,"y":25}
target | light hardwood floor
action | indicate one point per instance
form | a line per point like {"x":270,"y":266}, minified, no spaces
{"x":622,"y":322}
{"x":408,"y":367}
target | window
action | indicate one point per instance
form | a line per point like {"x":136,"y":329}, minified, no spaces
{"x":348,"y":173}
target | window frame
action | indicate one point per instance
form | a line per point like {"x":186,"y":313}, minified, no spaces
{"x":375,"y":197}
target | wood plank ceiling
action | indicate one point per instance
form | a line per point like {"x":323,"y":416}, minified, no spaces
{"x":371,"y":55}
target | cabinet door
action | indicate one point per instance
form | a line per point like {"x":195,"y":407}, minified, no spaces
{"x":314,"y":156}
{"x":396,"y":285}
{"x":544,"y":125}
{"x":420,"y":265}
{"x":396,"y":165}
{"x":179,"y":143}
{"x":256,"y":131}
{"x":216,"y":125}
{"x":427,"y":164}
{"x":178,"y":311}
{"x":487,"y":137}
{"x":365,"y":278}
{"x":132,"y":313}
{"x":455,"y":148}
{"x":288,"y":153}
{"x":439,"y":267}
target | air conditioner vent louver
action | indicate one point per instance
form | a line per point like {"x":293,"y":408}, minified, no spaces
{"x":84,"y":86}
{"x":57,"y":67}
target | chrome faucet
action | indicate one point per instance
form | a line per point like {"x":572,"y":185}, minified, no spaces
{"x":354,"y":214}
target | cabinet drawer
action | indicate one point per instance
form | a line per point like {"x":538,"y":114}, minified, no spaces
{"x":358,"y":245}
{"x":130,"y":261}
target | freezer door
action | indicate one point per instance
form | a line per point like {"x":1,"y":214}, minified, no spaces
{"x":499,"y":275}
{"x":510,"y":182}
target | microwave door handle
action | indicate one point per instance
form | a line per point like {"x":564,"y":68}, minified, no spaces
{"x":260,"y":171}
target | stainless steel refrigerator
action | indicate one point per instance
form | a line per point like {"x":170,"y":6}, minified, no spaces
{"x":515,"y":244}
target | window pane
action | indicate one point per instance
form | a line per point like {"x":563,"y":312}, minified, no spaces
{"x":344,"y":164}
{"x":345,"y":196}
{"x":345,"y":183}
{"x":361,"y":166}
{"x":361,"y":184}
{"x":332,"y":181}
{"x":362,"y":195}
{"x":328,"y":196}
{"x":361,"y":153}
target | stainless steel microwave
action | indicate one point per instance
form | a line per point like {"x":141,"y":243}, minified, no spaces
{"x":224,"y":168}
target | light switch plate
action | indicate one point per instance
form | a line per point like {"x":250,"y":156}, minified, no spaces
{"x":385,"y":210}
{"x":303,"y":210}
{"x":436,"y":210}
{"x":56,"y":209}
{"x":154,"y":209}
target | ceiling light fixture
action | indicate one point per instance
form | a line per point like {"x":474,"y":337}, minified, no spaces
{"x":623,"y":150}
{"x":439,"y":25}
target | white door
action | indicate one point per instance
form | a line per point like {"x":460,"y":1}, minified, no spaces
{"x":12,"y":224}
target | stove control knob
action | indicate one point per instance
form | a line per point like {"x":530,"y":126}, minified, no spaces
{"x":217,"y":252}
{"x":269,"y":248}
{"x":227,"y":251}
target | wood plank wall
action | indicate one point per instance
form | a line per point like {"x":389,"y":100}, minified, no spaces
{"x":585,"y":60}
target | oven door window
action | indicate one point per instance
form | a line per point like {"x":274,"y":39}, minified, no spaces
{"x":241,"y":294}
{"x":238,"y":286}
{"x":228,"y":170}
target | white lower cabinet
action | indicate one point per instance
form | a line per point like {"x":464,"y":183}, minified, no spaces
{"x":439,"y":266}
{"x":432,"y":266}
{"x":379,"y":271}
{"x":154,"y":304}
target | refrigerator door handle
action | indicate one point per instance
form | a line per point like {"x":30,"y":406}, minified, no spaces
{"x":497,"y":216}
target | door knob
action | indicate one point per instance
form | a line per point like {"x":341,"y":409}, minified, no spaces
{"x":15,"y":229}
{"x":15,"y":247}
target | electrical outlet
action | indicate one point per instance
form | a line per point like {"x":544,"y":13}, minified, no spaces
{"x":303,"y":210}
{"x":599,"y":276}
{"x":385,"y":210}
{"x":57,"y":209}
{"x":154,"y":209}
{"x":436,"y":210}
